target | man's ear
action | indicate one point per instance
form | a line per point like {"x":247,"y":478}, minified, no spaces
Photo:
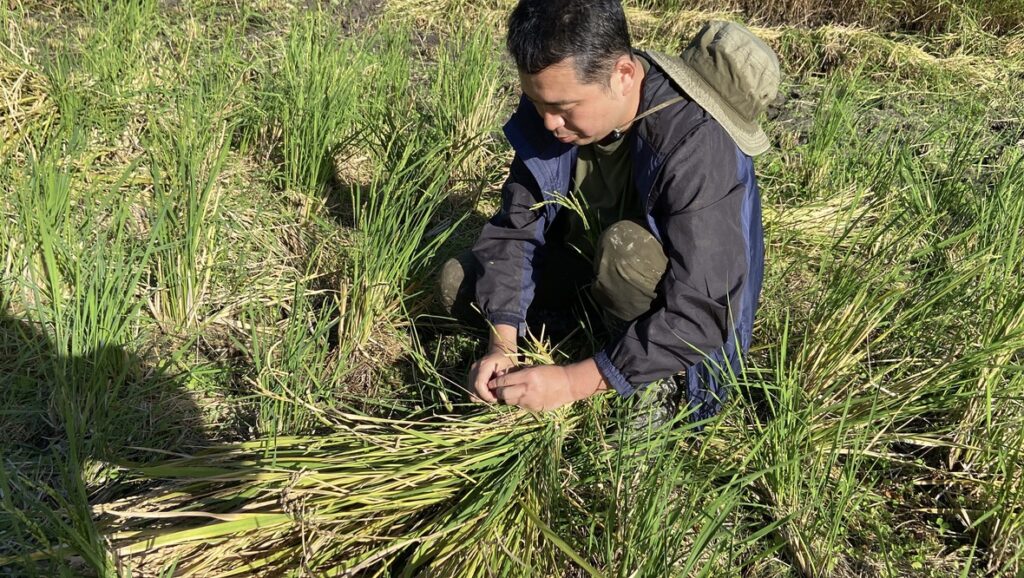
{"x":624,"y":74}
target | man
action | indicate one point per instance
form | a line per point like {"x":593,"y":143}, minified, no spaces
{"x":654,"y":153}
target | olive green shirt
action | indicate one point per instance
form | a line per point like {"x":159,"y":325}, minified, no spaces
{"x":603,"y":193}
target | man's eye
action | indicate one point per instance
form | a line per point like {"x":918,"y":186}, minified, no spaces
{"x":559,"y":109}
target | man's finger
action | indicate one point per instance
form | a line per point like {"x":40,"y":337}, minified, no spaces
{"x":480,"y":379}
{"x":511,"y":394}
{"x":508,"y":379}
{"x":485,"y":395}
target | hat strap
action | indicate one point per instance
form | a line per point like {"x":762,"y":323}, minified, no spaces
{"x":617,"y":132}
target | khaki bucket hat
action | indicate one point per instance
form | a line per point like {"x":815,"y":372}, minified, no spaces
{"x":732,"y":74}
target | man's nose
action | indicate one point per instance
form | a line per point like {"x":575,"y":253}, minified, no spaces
{"x":553,"y":122}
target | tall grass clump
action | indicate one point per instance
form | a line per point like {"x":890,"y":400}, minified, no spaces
{"x":825,"y":159}
{"x":188,"y":146}
{"x":991,"y":415}
{"x":82,"y":267}
{"x":392,"y":218}
{"x":115,"y":50}
{"x":865,"y":338}
{"x":657,"y":502}
{"x":75,"y":324}
{"x":103,"y":60}
{"x":296,"y":368}
{"x":310,"y":104}
{"x":388,"y":95}
{"x":460,"y":99}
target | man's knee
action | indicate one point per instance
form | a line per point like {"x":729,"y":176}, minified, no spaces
{"x":628,"y":264}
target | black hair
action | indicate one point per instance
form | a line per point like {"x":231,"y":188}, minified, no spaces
{"x":546,"y":32}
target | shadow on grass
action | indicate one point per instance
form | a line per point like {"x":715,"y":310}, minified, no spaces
{"x":66,"y":422}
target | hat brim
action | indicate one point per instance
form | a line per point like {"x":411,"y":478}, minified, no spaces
{"x":749,"y":136}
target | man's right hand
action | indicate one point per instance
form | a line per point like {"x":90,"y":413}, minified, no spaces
{"x":500,"y":358}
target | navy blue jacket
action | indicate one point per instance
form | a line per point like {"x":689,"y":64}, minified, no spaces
{"x":701,"y":201}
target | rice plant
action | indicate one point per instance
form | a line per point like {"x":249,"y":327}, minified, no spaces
{"x":295,"y":360}
{"x":310,"y":516}
{"x":460,"y":98}
{"x":311,"y":103}
{"x":392,"y":218}
{"x":188,"y":148}
{"x":78,"y":316}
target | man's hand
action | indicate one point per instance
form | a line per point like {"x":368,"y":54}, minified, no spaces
{"x":491,"y":366}
{"x":500,"y":357}
{"x":548,"y":387}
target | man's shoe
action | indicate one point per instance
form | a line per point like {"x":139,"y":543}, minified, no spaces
{"x":656,"y":405}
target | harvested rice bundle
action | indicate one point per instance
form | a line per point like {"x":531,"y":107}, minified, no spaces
{"x":357,"y":500}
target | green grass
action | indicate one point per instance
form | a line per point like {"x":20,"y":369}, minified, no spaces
{"x":310,"y":102}
{"x":187,"y":145}
{"x":220,"y":226}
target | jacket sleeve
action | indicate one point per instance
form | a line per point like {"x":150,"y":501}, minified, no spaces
{"x":505,"y":251}
{"x":698,"y":209}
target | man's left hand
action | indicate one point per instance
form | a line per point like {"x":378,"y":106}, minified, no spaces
{"x":547,"y":387}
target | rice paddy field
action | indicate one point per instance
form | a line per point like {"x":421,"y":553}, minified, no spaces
{"x":221,"y":354}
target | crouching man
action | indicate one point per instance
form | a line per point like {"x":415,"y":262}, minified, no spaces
{"x":632,"y":175}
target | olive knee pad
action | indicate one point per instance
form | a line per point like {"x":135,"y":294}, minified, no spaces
{"x":628,"y":264}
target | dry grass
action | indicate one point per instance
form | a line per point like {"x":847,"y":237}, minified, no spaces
{"x":24,"y":100}
{"x":929,"y":16}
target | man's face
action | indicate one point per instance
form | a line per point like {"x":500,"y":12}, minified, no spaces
{"x":574,"y":112}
